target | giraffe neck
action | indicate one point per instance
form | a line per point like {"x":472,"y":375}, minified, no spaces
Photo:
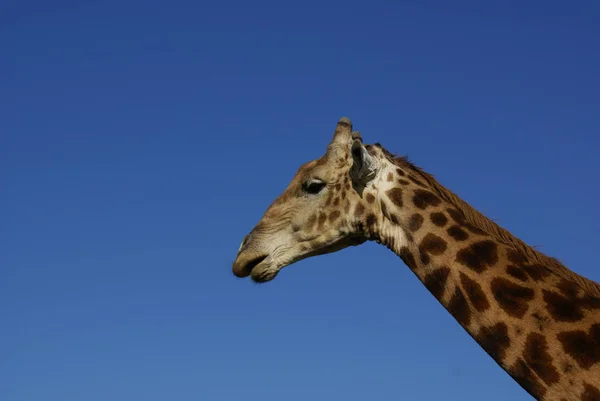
{"x":542,"y":329}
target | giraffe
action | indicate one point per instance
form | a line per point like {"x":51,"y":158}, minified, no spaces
{"x":536,"y":318}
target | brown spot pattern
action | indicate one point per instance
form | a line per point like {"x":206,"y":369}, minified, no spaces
{"x":516,"y":257}
{"x":494,"y":340}
{"x":359,"y":210}
{"x":460,"y":219}
{"x":479,"y":255}
{"x":403,"y":182}
{"x":562,"y":308}
{"x":423,"y":199}
{"x":459,"y":308}
{"x":400,"y":172}
{"x":415,"y":222}
{"x":431,"y":244}
{"x":370,"y":198}
{"x":395,"y":195}
{"x":517,"y":273}
{"x":525,"y":377}
{"x":583,"y":347}
{"x":511,"y":297}
{"x":439,"y":219}
{"x":590,"y":393}
{"x":539,"y":359}
{"x":474,"y":293}
{"x":390,"y":177}
{"x":535,"y":271}
{"x":568,"y":288}
{"x":408,"y":258}
{"x":436,"y":281}
{"x":458,"y":233}
{"x":419,"y":183}
{"x":333,"y":216}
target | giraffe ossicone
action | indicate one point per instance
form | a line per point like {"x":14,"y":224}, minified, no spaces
{"x":536,"y":318}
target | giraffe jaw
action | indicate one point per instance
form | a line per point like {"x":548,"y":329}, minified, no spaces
{"x":264,"y":267}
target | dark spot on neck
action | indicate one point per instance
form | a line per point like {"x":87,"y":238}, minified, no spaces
{"x":562,"y":308}
{"x":516,"y":257}
{"x":511,"y":297}
{"x":459,"y":308}
{"x":458,"y":233}
{"x":439,"y":219}
{"x":415,"y":222}
{"x":435,"y":281}
{"x":474,"y":293}
{"x":419,"y":183}
{"x":590,"y":393}
{"x":523,"y":375}
{"x":431,"y":245}
{"x":479,"y":255}
{"x":423,"y":199}
{"x":517,"y":273}
{"x":460,"y":219}
{"x":536,"y":272}
{"x":568,"y":288}
{"x":539,"y":359}
{"x":494,"y":340}
{"x":583,"y":347}
{"x":408,"y":258}
{"x":395,"y":195}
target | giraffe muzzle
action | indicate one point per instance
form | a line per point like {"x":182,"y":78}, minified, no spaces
{"x":244,"y":264}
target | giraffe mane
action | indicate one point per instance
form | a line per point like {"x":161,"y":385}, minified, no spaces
{"x":500,"y":234}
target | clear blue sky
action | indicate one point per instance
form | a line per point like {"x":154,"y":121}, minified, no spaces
{"x":140,"y":141}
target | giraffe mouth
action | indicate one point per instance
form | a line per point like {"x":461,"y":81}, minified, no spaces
{"x":254,"y":262}
{"x":247,"y":268}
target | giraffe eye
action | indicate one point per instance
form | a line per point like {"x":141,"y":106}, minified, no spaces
{"x":313,"y":186}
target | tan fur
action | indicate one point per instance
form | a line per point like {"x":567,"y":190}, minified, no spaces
{"x":536,"y":318}
{"x":500,"y":234}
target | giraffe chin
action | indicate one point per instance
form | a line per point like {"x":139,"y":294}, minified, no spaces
{"x":263,"y":273}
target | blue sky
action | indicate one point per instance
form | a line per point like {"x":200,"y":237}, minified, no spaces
{"x":139,"y":142}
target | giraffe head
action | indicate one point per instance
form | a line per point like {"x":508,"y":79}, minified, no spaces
{"x":311,"y":216}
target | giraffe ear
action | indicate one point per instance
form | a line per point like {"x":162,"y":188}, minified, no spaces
{"x":364,"y":166}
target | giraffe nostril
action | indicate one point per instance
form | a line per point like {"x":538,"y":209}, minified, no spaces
{"x":244,"y":243}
